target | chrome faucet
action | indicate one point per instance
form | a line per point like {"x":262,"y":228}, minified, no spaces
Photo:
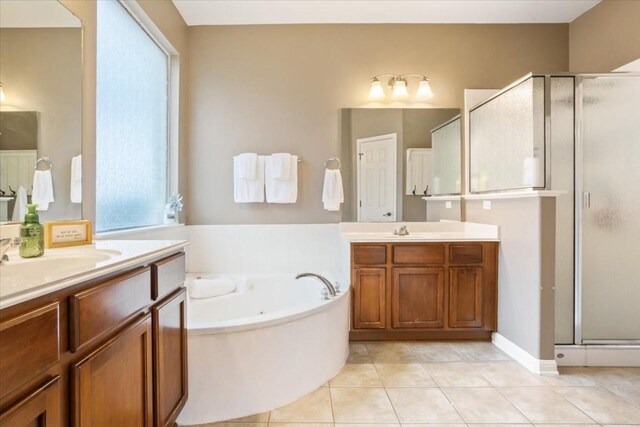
{"x":402,"y":232}
{"x":330,"y":288}
{"x":6,"y":244}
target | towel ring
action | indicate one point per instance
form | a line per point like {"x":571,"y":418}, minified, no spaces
{"x":332,"y":158}
{"x":43,"y":159}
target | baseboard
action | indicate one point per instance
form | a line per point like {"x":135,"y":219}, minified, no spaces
{"x":537,"y":366}
{"x":598,"y":355}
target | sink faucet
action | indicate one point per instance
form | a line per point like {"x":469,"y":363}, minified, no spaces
{"x":6,"y":244}
{"x":324,"y":280}
{"x":402,"y":232}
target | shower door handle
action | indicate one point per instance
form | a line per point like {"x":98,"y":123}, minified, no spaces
{"x":586,"y":200}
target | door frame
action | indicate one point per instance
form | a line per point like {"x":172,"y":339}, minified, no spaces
{"x":393,"y":137}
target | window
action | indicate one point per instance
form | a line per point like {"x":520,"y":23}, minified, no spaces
{"x":132,"y":97}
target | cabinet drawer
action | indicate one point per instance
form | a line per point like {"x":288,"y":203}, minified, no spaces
{"x":100,"y":310}
{"x":418,"y":254}
{"x":465,"y":254}
{"x":29,"y":345}
{"x":369,"y":254}
{"x":167,"y":274}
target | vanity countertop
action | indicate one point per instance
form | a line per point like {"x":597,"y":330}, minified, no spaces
{"x":25,"y":279}
{"x":444,"y":231}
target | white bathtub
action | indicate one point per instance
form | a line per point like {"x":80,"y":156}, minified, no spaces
{"x":265,"y":345}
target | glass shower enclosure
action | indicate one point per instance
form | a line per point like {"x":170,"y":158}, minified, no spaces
{"x":580,"y":134}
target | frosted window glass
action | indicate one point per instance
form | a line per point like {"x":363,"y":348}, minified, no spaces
{"x":445,"y":143}
{"x":131,"y":123}
{"x":506,"y":137}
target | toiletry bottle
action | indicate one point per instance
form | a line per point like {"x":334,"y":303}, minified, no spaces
{"x":31,"y":234}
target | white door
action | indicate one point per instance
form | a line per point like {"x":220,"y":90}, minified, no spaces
{"x":377,"y":178}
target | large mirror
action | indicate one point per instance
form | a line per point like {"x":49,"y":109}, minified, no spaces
{"x":40,"y":110}
{"x":389,"y":162}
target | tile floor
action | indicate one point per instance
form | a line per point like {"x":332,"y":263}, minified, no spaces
{"x":456,"y":384}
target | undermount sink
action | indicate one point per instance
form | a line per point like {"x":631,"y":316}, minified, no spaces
{"x":53,"y":265}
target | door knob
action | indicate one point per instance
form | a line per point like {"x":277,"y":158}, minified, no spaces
{"x":387,"y":214}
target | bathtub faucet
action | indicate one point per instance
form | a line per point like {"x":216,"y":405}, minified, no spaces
{"x":325,"y":281}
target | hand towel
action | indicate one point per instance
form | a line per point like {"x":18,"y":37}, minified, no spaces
{"x":247,"y":164}
{"x":279,"y":191}
{"x":332,"y":191}
{"x":209,"y":288}
{"x":20,"y":206}
{"x":76,"y":179}
{"x":42,"y":193}
{"x":281,"y":166}
{"x":248,"y":191}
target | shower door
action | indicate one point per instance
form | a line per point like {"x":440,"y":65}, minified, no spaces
{"x":608,"y":209}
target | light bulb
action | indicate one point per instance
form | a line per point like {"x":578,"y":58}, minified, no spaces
{"x":376,"y":91}
{"x":2,"y":97}
{"x":424,"y":90}
{"x":400,"y":89}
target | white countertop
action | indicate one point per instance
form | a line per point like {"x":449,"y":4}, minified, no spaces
{"x":443,"y":231}
{"x":101,"y":258}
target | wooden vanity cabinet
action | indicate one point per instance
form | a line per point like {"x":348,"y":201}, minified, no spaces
{"x":424,"y":290}
{"x":170,"y":357}
{"x":108,"y":352}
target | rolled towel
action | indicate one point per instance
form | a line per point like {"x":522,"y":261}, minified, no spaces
{"x":209,"y":288}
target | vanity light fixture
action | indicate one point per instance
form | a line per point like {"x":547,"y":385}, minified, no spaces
{"x":399,"y":87}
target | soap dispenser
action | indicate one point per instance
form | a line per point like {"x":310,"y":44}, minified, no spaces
{"x":31,"y":234}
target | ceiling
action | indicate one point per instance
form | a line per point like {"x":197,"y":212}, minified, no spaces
{"x":36,"y":14}
{"x":245,"y":12}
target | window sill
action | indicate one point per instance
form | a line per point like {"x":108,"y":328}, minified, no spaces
{"x":107,"y":235}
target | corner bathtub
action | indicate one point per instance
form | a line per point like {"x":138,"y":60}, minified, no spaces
{"x":267,"y":344}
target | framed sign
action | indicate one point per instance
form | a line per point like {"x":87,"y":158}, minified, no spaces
{"x":60,"y":234}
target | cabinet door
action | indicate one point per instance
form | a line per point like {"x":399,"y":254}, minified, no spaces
{"x":112,"y":386}
{"x":170,"y":358}
{"x":369,"y":298}
{"x":417,"y":299}
{"x":41,"y":408}
{"x":465,"y":297}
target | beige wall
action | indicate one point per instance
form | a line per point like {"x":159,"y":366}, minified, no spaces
{"x":168,"y":20}
{"x":41,"y":69}
{"x":605,"y":37}
{"x":280,"y":88}
{"x":526,"y":269}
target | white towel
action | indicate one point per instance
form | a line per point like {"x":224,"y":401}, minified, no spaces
{"x":42,"y":193}
{"x":281,"y":166}
{"x":247,"y":164}
{"x":76,"y":179}
{"x":279,"y":191}
{"x":332,"y":191}
{"x":20,"y":206}
{"x":248,"y":191}
{"x":208,"y":288}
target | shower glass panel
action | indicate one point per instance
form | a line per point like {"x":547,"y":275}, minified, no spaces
{"x":506,"y":137}
{"x":609,"y":208}
{"x":445,"y":144}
